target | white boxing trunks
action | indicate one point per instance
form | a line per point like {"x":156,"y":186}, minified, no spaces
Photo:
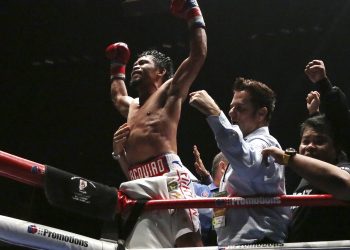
{"x":163,"y":177}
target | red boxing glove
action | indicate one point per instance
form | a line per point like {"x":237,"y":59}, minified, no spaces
{"x":119,"y":54}
{"x":189,"y":10}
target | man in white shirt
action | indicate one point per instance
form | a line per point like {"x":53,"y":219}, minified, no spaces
{"x":248,"y":174}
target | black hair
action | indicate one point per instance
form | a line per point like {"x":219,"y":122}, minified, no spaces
{"x":261,"y":94}
{"x":321,"y":125}
{"x":162,"y":61}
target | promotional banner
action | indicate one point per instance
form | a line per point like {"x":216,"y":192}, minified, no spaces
{"x":36,"y":236}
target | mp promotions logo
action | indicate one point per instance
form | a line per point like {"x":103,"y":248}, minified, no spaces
{"x":46,"y":233}
{"x":32,"y":229}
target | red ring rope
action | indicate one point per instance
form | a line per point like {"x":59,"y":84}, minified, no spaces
{"x":242,"y":202}
{"x":22,"y":170}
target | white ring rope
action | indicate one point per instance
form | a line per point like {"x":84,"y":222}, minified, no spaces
{"x":37,"y":236}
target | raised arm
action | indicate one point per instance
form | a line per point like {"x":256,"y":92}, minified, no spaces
{"x":204,"y":103}
{"x":119,"y":55}
{"x":315,"y":71}
{"x":229,"y":137}
{"x":190,"y":67}
{"x":313,"y":103}
{"x":324,"y":176}
{"x":334,"y":103}
{"x":204,"y":174}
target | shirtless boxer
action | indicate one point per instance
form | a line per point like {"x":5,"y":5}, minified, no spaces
{"x":146,"y":145}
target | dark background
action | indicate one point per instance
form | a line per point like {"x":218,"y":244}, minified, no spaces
{"x":54,"y":79}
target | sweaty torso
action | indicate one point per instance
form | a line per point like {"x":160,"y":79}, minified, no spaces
{"x":153,"y":127}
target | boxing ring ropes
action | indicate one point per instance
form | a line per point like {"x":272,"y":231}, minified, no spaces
{"x":36,"y":236}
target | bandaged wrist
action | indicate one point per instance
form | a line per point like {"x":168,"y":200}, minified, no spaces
{"x":117,"y":71}
{"x":194,"y":18}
